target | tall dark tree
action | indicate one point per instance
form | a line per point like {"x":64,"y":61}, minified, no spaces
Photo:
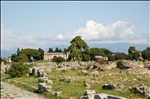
{"x":133,"y":54}
{"x":58,"y":60}
{"x":77,"y":48}
{"x":50,"y":50}
{"x":18,"y":50}
{"x":41,"y":57}
{"x":14,"y":58}
{"x":58,"y":50}
{"x":146,"y":53}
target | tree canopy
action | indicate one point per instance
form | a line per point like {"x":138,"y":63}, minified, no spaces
{"x":77,"y":48}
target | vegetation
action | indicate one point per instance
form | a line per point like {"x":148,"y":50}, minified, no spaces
{"x":58,"y":60}
{"x":76,"y":89}
{"x":56,"y":50}
{"x":146,"y":53}
{"x":133,"y":53}
{"x":26,"y":55}
{"x":79,"y":50}
{"x":18,"y":70}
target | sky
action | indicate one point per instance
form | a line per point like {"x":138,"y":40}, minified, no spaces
{"x":115,"y":25}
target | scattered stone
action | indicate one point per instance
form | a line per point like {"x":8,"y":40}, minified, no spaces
{"x":84,"y":72}
{"x":90,"y":94}
{"x":119,"y":86}
{"x":42,"y":79}
{"x":50,"y":82}
{"x":58,"y":93}
{"x":137,"y":71}
{"x":43,"y":88}
{"x":94,"y":73}
{"x":35,"y":71}
{"x":68,"y":79}
{"x":108,"y":87}
{"x":4,"y":68}
{"x":141,"y":89}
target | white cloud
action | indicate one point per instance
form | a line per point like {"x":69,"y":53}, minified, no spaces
{"x":93,"y":33}
{"x":60,"y":36}
{"x":134,"y":41}
{"x":10,"y":40}
{"x":113,"y":33}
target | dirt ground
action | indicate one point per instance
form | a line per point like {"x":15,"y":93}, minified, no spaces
{"x":9,"y":91}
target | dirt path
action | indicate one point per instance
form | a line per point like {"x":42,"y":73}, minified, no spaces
{"x":9,"y":91}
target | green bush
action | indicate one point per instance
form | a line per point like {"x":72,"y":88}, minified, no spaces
{"x":18,"y":70}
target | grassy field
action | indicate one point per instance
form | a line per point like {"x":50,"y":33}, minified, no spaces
{"x":76,"y":89}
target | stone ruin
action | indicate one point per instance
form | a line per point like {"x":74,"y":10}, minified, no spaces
{"x":37,"y":72}
{"x":4,"y":67}
{"x":91,"y":94}
{"x":141,"y":89}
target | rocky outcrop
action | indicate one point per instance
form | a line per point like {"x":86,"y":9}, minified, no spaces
{"x":91,"y":94}
{"x":136,"y":71}
{"x":43,"y":88}
{"x":68,"y":79}
{"x":4,"y":67}
{"x":126,"y":64}
{"x":94,"y":73}
{"x":108,"y":87}
{"x":141,"y":89}
{"x":35,"y":71}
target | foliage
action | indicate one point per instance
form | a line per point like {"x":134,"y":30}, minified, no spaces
{"x":14,"y":58}
{"x":58,"y":60}
{"x":57,"y":50}
{"x":133,"y":54}
{"x":86,"y":57}
{"x":18,"y":70}
{"x":146,"y":53}
{"x":25,"y":55}
{"x":41,"y":57}
{"x":50,"y":50}
{"x":131,"y":49}
{"x":99,"y":52}
{"x":3,"y":60}
{"x":119,"y":56}
{"x":77,"y":48}
{"x":22,"y":58}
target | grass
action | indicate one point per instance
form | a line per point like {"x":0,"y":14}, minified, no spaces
{"x":76,"y":89}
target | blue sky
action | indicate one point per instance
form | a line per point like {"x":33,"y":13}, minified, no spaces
{"x":44,"y":24}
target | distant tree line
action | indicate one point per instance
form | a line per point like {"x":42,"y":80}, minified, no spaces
{"x":56,"y":50}
{"x":79,"y":50}
{"x":28,"y":55}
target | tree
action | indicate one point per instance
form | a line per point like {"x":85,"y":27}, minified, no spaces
{"x":26,"y":53}
{"x":131,"y":49}
{"x":58,"y":60}
{"x":50,"y":50}
{"x":41,"y":57}
{"x":119,"y":56}
{"x":22,"y":58}
{"x":31,"y":53}
{"x":146,"y":53}
{"x":99,"y":52}
{"x":18,"y":50}
{"x":18,"y":70}
{"x":77,"y":48}
{"x":57,"y":50}
{"x":14,"y":58}
{"x":133,"y":54}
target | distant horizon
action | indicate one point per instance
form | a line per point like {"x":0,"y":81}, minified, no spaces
{"x":5,"y":53}
{"x":115,"y":25}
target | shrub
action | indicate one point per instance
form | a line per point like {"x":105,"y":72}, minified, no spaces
{"x":18,"y":70}
{"x":58,"y":59}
